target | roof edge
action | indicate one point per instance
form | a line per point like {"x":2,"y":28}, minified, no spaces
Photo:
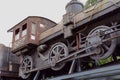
{"x":11,"y":29}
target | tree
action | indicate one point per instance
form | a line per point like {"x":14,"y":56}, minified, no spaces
{"x":90,"y":3}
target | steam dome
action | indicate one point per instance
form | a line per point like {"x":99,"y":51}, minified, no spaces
{"x":74,"y":6}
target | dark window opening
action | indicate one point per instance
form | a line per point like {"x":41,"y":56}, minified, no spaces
{"x":24,"y":30}
{"x":17,"y":34}
{"x":17,"y":31}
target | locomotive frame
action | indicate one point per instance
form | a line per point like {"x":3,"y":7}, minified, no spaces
{"x":77,"y":36}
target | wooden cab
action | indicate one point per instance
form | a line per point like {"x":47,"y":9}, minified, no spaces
{"x":26,"y":33}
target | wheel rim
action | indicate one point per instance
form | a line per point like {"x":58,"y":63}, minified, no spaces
{"x":58,"y":51}
{"x":26,"y":65}
{"x":103,"y":50}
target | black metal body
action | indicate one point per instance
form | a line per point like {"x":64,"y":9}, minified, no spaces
{"x":9,"y":63}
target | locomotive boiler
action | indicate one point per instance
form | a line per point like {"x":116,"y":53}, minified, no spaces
{"x":9,"y":64}
{"x":79,"y":42}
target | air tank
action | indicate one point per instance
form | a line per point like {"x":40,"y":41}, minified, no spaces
{"x":74,"y":6}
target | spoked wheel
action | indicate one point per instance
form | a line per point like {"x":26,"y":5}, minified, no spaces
{"x":105,"y":49}
{"x":58,"y":51}
{"x":26,"y":65}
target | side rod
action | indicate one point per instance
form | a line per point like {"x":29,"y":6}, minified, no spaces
{"x":71,"y":56}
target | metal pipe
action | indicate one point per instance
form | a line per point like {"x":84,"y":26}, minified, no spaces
{"x":72,"y":67}
{"x":37,"y":75}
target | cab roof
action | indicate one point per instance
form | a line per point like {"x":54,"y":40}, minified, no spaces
{"x":30,"y":17}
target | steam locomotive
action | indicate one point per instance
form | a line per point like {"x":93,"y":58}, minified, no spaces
{"x":79,"y":42}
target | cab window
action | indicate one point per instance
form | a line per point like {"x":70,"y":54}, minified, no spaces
{"x":17,"y":34}
{"x":33,"y":31}
{"x":24,"y":30}
{"x":42,"y":28}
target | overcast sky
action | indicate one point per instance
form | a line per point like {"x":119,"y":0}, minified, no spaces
{"x":14,"y":11}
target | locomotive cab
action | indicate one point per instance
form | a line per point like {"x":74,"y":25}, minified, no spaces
{"x":26,"y":33}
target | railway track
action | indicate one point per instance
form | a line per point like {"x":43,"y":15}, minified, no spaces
{"x":104,"y":73}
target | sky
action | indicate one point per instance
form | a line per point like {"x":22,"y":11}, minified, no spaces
{"x":14,"y":11}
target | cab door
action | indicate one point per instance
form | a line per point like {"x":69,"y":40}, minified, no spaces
{"x":33,"y":33}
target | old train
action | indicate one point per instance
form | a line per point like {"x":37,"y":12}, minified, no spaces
{"x":9,"y":64}
{"x":79,"y":42}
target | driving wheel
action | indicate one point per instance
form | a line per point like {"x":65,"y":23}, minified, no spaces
{"x":101,"y":49}
{"x":58,"y":51}
{"x":26,"y":65}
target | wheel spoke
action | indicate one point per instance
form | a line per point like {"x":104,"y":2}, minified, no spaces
{"x":61,"y":50}
{"x":28,"y":65}
{"x":53,"y":57}
{"x":53,"y":51}
{"x":105,"y":46}
{"x":24,"y":63}
{"x":23,"y":67}
{"x":57,"y":49}
{"x":62,"y":55}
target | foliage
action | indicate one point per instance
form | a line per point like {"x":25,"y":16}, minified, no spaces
{"x":105,"y":61}
{"x":90,"y":3}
